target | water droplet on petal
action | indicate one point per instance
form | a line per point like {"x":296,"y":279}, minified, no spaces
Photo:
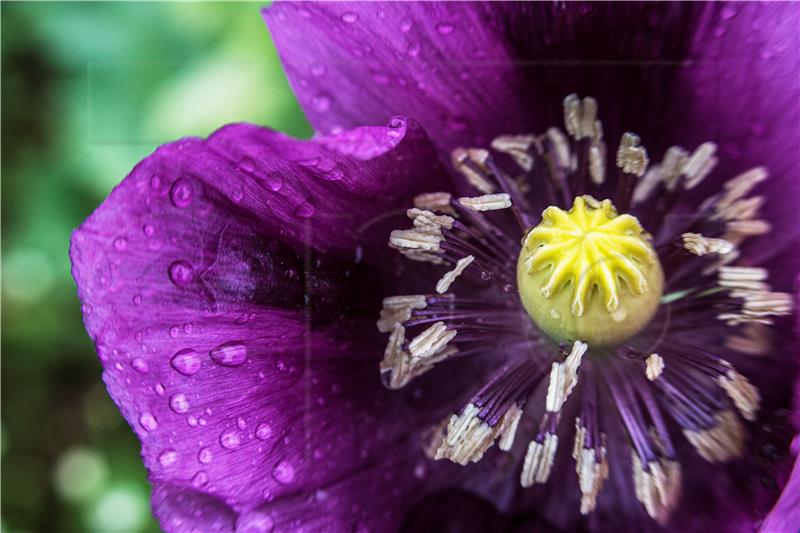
{"x":181,"y":193}
{"x":247,"y":164}
{"x":405,"y":25}
{"x":254,"y":522}
{"x":174,"y":331}
{"x":120,"y":243}
{"x":444,"y":28}
{"x":263,"y":431}
{"x":241,"y":423}
{"x":317,"y":70}
{"x":159,"y":389}
{"x":199,"y":479}
{"x":139,"y":364}
{"x":274,"y":182}
{"x":187,"y":362}
{"x":167,"y":457}
{"x":321,"y":102}
{"x":148,"y":230}
{"x":229,"y":439}
{"x":229,"y":354}
{"x":148,"y":421}
{"x":237,"y":195}
{"x":349,"y":17}
{"x":181,"y":273}
{"x":205,"y":455}
{"x":304,"y":210}
{"x":283,"y":472}
{"x":728,"y":13}
{"x":155,"y":181}
{"x":179,"y":403}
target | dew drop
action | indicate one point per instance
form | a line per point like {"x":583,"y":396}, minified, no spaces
{"x":174,"y":331}
{"x":237,"y":195}
{"x":283,"y":472}
{"x":187,"y":362}
{"x":304,"y":210}
{"x":229,"y":354}
{"x":263,"y":431}
{"x":241,"y":423}
{"x":181,"y":273}
{"x":247,"y":164}
{"x":179,"y":403}
{"x":137,"y":299}
{"x":405,"y":25}
{"x":444,"y":28}
{"x":167,"y":457}
{"x":139,"y":364}
{"x":317,"y":70}
{"x":254,"y":522}
{"x":148,"y":421}
{"x":321,"y":102}
{"x":155,"y":181}
{"x":229,"y":439}
{"x":728,"y":13}
{"x":205,"y":455}
{"x":120,"y":243}
{"x":181,"y":193}
{"x":199,"y":479}
{"x":414,"y":49}
{"x":159,"y":389}
{"x":148,"y":230}
{"x":274,"y":182}
{"x":349,"y":17}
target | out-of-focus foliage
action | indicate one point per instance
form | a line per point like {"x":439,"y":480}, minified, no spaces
{"x":89,"y":89}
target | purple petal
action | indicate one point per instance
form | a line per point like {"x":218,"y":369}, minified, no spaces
{"x":201,"y":310}
{"x":785,"y":516}
{"x":445,"y":63}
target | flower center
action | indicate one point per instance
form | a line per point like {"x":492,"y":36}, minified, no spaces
{"x":589,"y":274}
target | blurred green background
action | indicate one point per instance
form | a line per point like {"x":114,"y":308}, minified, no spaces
{"x":89,"y":89}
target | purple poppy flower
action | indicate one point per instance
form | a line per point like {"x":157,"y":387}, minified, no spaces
{"x":587,"y":327}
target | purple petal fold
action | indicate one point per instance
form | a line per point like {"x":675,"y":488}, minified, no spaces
{"x":446,"y":64}
{"x":203,"y":307}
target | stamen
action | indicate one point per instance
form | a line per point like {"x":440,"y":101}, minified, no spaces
{"x":427,"y":220}
{"x":397,"y":309}
{"x":700,"y":165}
{"x":564,"y":377}
{"x":631,"y":157}
{"x":655,"y":366}
{"x":487,"y":202}
{"x":673,"y":165}
{"x":753,"y":340}
{"x":560,"y":147}
{"x":745,"y":278}
{"x":580,"y":117}
{"x":434,"y":201}
{"x":444,"y":284}
{"x":470,"y":163}
{"x":416,"y":240}
{"x":699,"y":245}
{"x":539,"y":461}
{"x":468,"y":436}
{"x":743,"y":394}
{"x":658,"y":486}
{"x":431,"y":340}
{"x":720,"y":443}
{"x":517,"y":147}
{"x":740,"y":186}
{"x":399,"y":367}
{"x":597,"y":162}
{"x":591,"y":466}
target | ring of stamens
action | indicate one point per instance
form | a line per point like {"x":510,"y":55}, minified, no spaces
{"x":471,"y":241}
